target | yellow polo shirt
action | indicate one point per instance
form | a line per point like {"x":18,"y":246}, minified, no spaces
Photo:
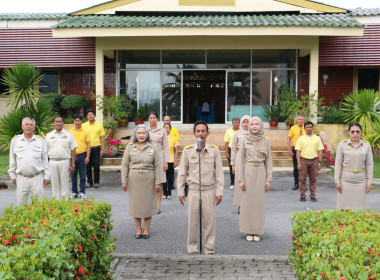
{"x":173,"y":142}
{"x":229,"y":136}
{"x":96,"y":130}
{"x":81,"y":136}
{"x":175,"y":133}
{"x":295,"y":132}
{"x":309,"y":147}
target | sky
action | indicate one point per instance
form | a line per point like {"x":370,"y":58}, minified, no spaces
{"x":67,"y":6}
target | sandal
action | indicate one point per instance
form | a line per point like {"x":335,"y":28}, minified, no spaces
{"x":256,"y":238}
{"x":249,"y":237}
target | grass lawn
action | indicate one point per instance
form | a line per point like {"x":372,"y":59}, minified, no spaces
{"x":376,"y":167}
{"x":4,"y":163}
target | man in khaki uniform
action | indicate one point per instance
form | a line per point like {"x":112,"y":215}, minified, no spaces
{"x":61,"y":149}
{"x":28,"y":162}
{"x":211,"y":175}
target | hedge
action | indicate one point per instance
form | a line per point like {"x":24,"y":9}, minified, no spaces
{"x":56,"y":240}
{"x":333,"y":244}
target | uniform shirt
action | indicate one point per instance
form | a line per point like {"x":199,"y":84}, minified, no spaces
{"x":81,"y":137}
{"x":309,"y":147}
{"x":160,"y":138}
{"x":173,"y":142}
{"x":347,"y":156}
{"x":96,"y":130}
{"x":60,"y":145}
{"x":211,"y":168}
{"x":250,"y":153}
{"x":236,"y":145}
{"x":136,"y":158}
{"x":28,"y":158}
{"x":295,"y":132}
{"x":229,"y":136}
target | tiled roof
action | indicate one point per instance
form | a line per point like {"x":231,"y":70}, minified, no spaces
{"x":365,"y":12}
{"x":32,"y":16}
{"x":303,"y":20}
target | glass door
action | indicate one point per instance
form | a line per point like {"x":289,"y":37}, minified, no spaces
{"x":261,"y":92}
{"x":238,"y":94}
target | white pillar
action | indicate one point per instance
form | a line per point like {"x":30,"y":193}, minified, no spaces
{"x":99,"y":76}
{"x":313,"y":76}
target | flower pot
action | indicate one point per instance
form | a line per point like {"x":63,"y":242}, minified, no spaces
{"x":289,"y":124}
{"x":137,"y":122}
{"x":273,"y":124}
{"x":123,"y":122}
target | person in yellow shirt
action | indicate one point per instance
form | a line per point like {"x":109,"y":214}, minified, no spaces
{"x":294,"y":133}
{"x":173,"y":159}
{"x":309,"y":157}
{"x":96,"y":131}
{"x":82,"y":138}
{"x":173,"y":130}
{"x":228,"y":137}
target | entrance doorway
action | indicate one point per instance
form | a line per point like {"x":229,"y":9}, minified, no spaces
{"x":204,"y":96}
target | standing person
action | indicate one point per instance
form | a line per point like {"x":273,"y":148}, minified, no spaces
{"x":96,"y":131}
{"x":295,"y":132}
{"x":173,"y":130}
{"x":353,"y":170}
{"x":61,"y":150}
{"x":28,"y":163}
{"x":173,"y":159}
{"x":309,"y":158}
{"x":235,"y":155}
{"x":212,"y":179}
{"x":82,"y":138}
{"x":254,"y":176}
{"x":159,"y":137}
{"x":141,"y":176}
{"x":228,"y":137}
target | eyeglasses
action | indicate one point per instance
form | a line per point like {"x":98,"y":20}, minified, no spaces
{"x":300,"y":131}
{"x":355,"y":131}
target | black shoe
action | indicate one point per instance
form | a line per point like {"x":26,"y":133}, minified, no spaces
{"x":295,"y":187}
{"x":159,"y":212}
{"x":313,"y":199}
{"x":139,"y":236}
{"x":145,"y":236}
{"x":303,"y":199}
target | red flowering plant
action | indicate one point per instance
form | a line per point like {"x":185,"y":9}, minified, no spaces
{"x":334,"y":244}
{"x":112,"y":146}
{"x":327,"y":156}
{"x":56,"y":240}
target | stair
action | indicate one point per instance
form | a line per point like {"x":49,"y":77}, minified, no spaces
{"x":277,"y":137}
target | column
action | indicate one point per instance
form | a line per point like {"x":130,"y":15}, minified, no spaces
{"x":99,"y":76}
{"x":313,"y":76}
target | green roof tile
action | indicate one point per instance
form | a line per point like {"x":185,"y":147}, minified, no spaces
{"x":321,"y":20}
{"x":33,"y":16}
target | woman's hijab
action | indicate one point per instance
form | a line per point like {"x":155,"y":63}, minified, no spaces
{"x":243,"y":131}
{"x":258,"y":137}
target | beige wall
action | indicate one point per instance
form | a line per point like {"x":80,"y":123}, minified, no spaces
{"x":335,"y":133}
{"x":3,"y":106}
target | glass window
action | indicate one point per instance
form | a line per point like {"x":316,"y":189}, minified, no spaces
{"x":280,"y":78}
{"x":3,"y":88}
{"x":368,"y":79}
{"x":238,"y":94}
{"x":261,"y":95}
{"x":188,"y":59}
{"x":149,"y":90}
{"x":274,"y":59}
{"x":139,"y":59}
{"x":128,"y":85}
{"x":171,"y":95}
{"x":228,"y":58}
{"x":49,"y":83}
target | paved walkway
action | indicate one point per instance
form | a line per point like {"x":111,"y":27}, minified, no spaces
{"x":148,"y":266}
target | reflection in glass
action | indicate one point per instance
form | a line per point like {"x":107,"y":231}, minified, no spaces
{"x":228,"y":59}
{"x":187,"y":59}
{"x":49,"y":82}
{"x":280,"y":78}
{"x":147,"y":59}
{"x":171,"y":95}
{"x":238,"y":94}
{"x":149,"y":89}
{"x":260,"y":92}
{"x":274,"y":59}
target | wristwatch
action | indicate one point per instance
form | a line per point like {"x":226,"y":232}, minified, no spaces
{"x":72,"y":165}
{"x":320,"y":161}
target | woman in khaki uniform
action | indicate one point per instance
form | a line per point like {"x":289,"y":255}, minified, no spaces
{"x":236,"y":143}
{"x":353,"y":170}
{"x":142,"y":169}
{"x":159,"y":137}
{"x":255,"y":176}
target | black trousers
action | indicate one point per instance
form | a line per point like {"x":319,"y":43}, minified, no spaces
{"x":295,"y":170}
{"x":169,"y":185}
{"x":94,"y":163}
{"x":232,"y":175}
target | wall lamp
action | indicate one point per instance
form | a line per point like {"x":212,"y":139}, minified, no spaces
{"x":325,"y":77}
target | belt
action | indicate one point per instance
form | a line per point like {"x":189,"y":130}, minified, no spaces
{"x":29,"y":176}
{"x":81,"y":154}
{"x":96,"y":147}
{"x":255,"y":164}
{"x":141,"y":170}
{"x":203,"y":188}
{"x":308,"y":158}
{"x":353,"y":170}
{"x":59,"y":159}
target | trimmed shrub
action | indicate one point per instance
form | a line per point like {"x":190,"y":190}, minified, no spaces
{"x":333,"y":244}
{"x":52,"y":101}
{"x":333,"y":115}
{"x":56,"y":240}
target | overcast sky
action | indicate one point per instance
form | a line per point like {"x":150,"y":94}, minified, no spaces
{"x":50,"y":6}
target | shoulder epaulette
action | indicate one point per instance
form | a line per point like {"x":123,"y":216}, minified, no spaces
{"x":343,"y":141}
{"x":266,"y":137}
{"x":14,"y":137}
{"x":40,"y":137}
{"x":154,"y":144}
{"x":131,"y":143}
{"x":215,"y":146}
{"x":188,"y":146}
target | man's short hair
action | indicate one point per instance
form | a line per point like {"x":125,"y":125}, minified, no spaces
{"x":28,"y":118}
{"x":78,"y":116}
{"x":91,"y":111}
{"x":308,"y":123}
{"x":58,"y":117}
{"x":200,"y":122}
{"x":236,"y":119}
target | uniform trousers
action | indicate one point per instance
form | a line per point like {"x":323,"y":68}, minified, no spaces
{"x":232,"y":175}
{"x":60,"y":177}
{"x":295,"y":170}
{"x":94,"y":162}
{"x":208,"y":220}
{"x":309,"y":167}
{"x":26,"y":185}
{"x":169,"y":185}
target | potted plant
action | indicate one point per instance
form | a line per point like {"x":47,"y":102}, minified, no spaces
{"x":123,"y":110}
{"x":272,"y":113}
{"x":141,"y":114}
{"x":288,"y":103}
